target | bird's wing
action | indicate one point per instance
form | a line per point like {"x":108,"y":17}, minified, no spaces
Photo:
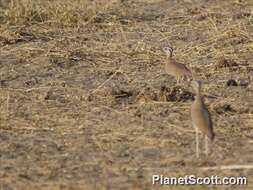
{"x":209,"y":122}
{"x":202,"y":120}
{"x":181,"y":66}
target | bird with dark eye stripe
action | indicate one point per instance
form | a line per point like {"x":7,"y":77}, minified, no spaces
{"x":174,"y":68}
{"x":201,"y":118}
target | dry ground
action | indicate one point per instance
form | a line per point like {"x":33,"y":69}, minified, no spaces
{"x":85,"y":102}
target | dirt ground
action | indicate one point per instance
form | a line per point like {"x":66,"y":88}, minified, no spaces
{"x":85,"y":102}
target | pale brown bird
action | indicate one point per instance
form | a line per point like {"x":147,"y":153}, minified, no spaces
{"x":174,"y":68}
{"x":201,"y":118}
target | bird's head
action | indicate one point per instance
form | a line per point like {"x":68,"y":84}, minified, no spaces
{"x":168,"y":50}
{"x":196,"y":85}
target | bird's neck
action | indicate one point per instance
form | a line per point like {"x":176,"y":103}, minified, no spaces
{"x":199,"y":98}
{"x":198,"y":94}
{"x":170,"y":59}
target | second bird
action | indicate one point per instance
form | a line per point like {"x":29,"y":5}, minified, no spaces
{"x":174,"y":68}
{"x":201,"y":118}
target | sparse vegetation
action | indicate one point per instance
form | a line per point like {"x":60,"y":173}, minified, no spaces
{"x":84,"y":97}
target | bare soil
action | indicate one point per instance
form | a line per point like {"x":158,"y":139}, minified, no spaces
{"x":85,"y":102}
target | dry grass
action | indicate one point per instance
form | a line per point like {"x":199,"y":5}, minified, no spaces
{"x":84,"y":97}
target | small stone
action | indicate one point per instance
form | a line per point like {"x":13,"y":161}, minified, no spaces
{"x":232,"y":82}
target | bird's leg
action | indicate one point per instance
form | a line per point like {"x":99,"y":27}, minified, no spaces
{"x":197,"y":142}
{"x":142,"y":119}
{"x":189,"y":79}
{"x":178,"y":78}
{"x":183,"y":78}
{"x":206,"y":146}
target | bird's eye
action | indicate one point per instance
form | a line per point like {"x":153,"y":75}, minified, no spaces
{"x":166,"y":49}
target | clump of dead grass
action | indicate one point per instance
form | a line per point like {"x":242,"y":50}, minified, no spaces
{"x":66,"y":13}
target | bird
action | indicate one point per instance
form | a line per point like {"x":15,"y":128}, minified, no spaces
{"x":174,"y":68}
{"x":201,"y":118}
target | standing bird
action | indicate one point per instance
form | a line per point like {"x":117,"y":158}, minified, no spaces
{"x":174,"y":68}
{"x":201,"y":118}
